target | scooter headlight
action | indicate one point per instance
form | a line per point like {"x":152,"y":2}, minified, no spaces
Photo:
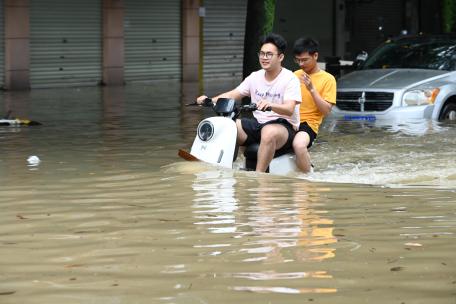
{"x":205,"y":130}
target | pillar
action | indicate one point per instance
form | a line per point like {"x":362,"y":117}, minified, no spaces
{"x":191,"y":48}
{"x":113,"y":42}
{"x":17,"y":39}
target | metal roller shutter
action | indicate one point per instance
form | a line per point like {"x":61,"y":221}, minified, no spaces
{"x":65,"y":42}
{"x":2,"y":46}
{"x":223,"y":34}
{"x":152,"y":30}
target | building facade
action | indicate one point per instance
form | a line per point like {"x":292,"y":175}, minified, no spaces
{"x":52,"y":43}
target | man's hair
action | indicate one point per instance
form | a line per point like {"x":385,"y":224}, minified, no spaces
{"x":306,"y":45}
{"x":275,"y":39}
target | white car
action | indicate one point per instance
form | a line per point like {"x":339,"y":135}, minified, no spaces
{"x":405,"y":78}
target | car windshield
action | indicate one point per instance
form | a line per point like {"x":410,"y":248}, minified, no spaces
{"x":435,"y":54}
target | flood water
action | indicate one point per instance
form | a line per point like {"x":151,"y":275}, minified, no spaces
{"x":110,"y":214}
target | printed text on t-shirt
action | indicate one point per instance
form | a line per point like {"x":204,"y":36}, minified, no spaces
{"x":267,"y":95}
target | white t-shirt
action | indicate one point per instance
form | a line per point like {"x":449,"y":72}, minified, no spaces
{"x":285,"y":86}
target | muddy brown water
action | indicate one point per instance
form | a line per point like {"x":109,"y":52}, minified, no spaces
{"x":112,"y":215}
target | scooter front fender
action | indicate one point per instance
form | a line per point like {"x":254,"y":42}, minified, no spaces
{"x":215,"y":141}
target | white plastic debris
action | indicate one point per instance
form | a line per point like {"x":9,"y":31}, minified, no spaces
{"x":33,"y":160}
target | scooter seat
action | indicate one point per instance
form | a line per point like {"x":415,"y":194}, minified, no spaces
{"x":251,"y":151}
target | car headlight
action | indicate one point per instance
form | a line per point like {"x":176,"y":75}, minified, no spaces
{"x":420,"y":97}
{"x":205,"y":130}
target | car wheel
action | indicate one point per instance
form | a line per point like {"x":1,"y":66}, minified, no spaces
{"x":448,"y":113}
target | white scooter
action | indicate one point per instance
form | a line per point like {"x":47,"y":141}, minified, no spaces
{"x":215,"y":141}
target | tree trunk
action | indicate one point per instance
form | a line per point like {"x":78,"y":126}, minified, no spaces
{"x":254,"y":26}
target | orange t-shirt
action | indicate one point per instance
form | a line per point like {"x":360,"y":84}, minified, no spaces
{"x":325,"y":84}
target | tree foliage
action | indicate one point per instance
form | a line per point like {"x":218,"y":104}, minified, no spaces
{"x":259,"y":21}
{"x":269,"y":12}
{"x":449,"y":15}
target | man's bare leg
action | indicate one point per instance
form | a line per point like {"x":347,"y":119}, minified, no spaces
{"x":300,"y":143}
{"x":241,"y":135}
{"x":273,"y":137}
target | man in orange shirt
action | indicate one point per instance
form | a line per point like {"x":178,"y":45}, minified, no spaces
{"x":318,"y":90}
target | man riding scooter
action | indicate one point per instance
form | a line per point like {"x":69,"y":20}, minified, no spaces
{"x":273,"y":87}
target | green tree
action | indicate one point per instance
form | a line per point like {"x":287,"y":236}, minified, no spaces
{"x":259,"y":21}
{"x":449,"y":15}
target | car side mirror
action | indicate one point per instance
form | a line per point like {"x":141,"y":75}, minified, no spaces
{"x":362,"y":56}
{"x":360,"y":59}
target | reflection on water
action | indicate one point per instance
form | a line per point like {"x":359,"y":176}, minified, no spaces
{"x":111,"y":215}
{"x":278,"y":215}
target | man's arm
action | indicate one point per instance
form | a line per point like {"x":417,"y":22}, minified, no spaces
{"x":234,"y":94}
{"x":291,"y":96}
{"x":323,"y":106}
{"x":287,"y":108}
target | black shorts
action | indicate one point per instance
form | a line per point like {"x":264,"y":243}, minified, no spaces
{"x":304,"y":127}
{"x":253,"y":130}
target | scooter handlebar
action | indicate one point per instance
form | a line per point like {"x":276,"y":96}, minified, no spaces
{"x":253,"y":107}
{"x":207,"y":102}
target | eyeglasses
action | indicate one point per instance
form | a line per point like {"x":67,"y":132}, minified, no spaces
{"x":267,"y":55}
{"x":300,"y":60}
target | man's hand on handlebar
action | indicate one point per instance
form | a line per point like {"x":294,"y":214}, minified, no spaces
{"x":263,"y":105}
{"x":203,"y":100}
